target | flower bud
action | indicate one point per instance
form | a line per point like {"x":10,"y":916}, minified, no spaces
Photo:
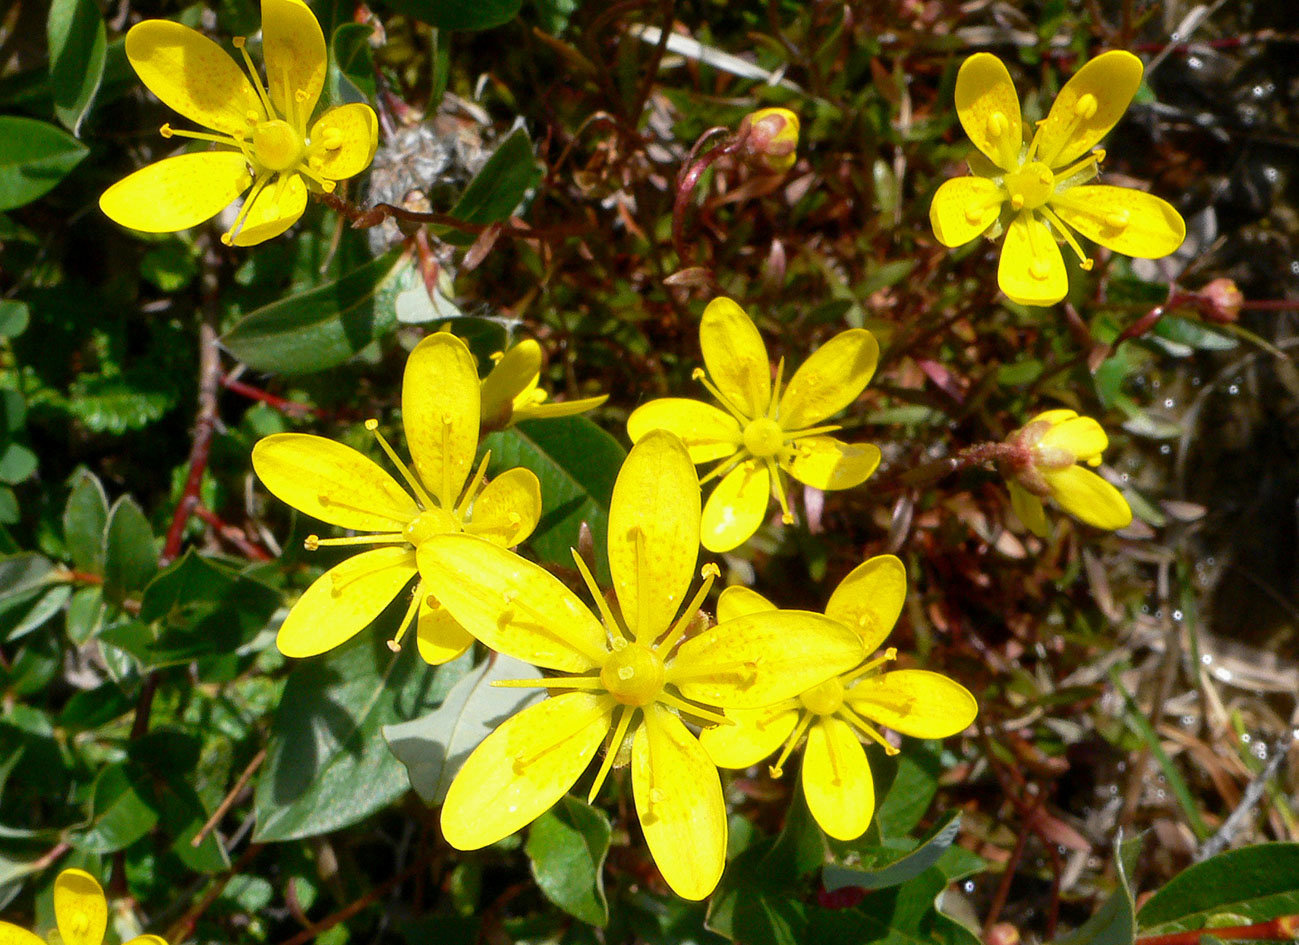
{"x":1220,"y":301}
{"x":772,"y":140}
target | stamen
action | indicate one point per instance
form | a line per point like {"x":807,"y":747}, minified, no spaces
{"x":259,"y":185}
{"x":611,"y":749}
{"x":611,"y":625}
{"x":400,"y":518}
{"x":689,"y":708}
{"x":341,"y":582}
{"x":774,"y":407}
{"x":167,"y":131}
{"x":1090,"y":162}
{"x":240,"y":44}
{"x":804,"y":720}
{"x":475,"y":484}
{"x":408,"y":620}
{"x":411,"y":480}
{"x":1064,"y":231}
{"x":791,"y":435}
{"x":539,"y":625}
{"x":698,"y":374}
{"x":889,"y":655}
{"x":385,"y":538}
{"x":866,"y":728}
{"x":743,"y":670}
{"x":324,"y":183}
{"x":709,"y":573}
{"x":587,"y":683}
{"x":778,"y":487}
{"x":724,"y":467}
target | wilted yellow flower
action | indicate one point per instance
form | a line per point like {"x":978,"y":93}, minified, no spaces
{"x":80,"y":912}
{"x":337,"y":484}
{"x":836,"y":713}
{"x":1039,"y":191}
{"x":1042,"y":462}
{"x":511,"y":392}
{"x":764,"y":431}
{"x":264,"y":134}
{"x":772,"y":141}
{"x":627,"y":678}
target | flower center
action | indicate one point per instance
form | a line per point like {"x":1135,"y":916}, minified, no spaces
{"x":1030,"y":186}
{"x":633,"y":675}
{"x":428,"y":523}
{"x":763,"y":437}
{"x":276,"y":146}
{"x":824,"y":699}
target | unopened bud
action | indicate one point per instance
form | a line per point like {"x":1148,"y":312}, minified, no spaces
{"x":772,"y":140}
{"x":1220,"y":301}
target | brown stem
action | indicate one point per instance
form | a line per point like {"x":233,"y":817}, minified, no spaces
{"x":230,"y":798}
{"x":183,"y":927}
{"x":352,"y":908}
{"x":688,"y":179}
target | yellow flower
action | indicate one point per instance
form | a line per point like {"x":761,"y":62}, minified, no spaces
{"x":80,"y":912}
{"x":836,"y":776}
{"x":762,"y":431}
{"x":511,"y":394}
{"x":772,"y":141}
{"x":337,"y":484}
{"x":1042,"y":462}
{"x":264,"y":134}
{"x":627,"y":677}
{"x":1036,"y":193}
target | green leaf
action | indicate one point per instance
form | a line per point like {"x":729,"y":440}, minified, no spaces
{"x":1115,"y":922}
{"x":906,"y":785}
{"x":577,"y":463}
{"x":14,"y":317}
{"x":34,"y":157}
{"x":567,"y":846}
{"x":120,"y":814}
{"x":130,"y":559}
{"x":1252,"y":884}
{"x":351,"y":63}
{"x":170,"y":265}
{"x":327,"y":765}
{"x":24,"y":574}
{"x":1192,"y":334}
{"x":458,"y":15}
{"x":901,"y":869}
{"x":433,"y":748}
{"x":84,"y":519}
{"x":499,"y":187}
{"x":128,"y":401}
{"x":323,"y":326}
{"x":77,"y":49}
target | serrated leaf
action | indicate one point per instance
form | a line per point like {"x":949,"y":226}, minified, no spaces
{"x":34,"y":157}
{"x":1252,"y":884}
{"x":901,"y":869}
{"x":458,"y":15}
{"x":130,"y":559}
{"x":434,"y":747}
{"x":323,"y":326}
{"x":498,"y":188}
{"x":567,"y":846}
{"x":77,"y":44}
{"x":119,"y":403}
{"x":577,"y":464}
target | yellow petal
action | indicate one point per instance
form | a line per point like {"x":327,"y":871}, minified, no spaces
{"x":654,"y":533}
{"x":1088,"y":497}
{"x":914,"y":702}
{"x":294,"y":48}
{"x":736,"y":601}
{"x":1081,"y":437}
{"x":736,"y":357}
{"x":679,"y":802}
{"x":837,"y":780}
{"x":823,"y":462}
{"x":355,"y":129}
{"x":709,"y":433}
{"x":192,"y":75}
{"x":759,"y":659}
{"x":439,"y":636}
{"x":517,"y":371}
{"x":345,"y":600}
{"x":277,"y":207}
{"x":870,"y":598}
{"x":332,"y":482}
{"x":560,"y":408}
{"x":440,"y":404}
{"x":512,"y":605}
{"x":1058,"y":415}
{"x":508,"y":509}
{"x":147,"y":940}
{"x":1032,"y":270}
{"x":830,"y":380}
{"x":11,"y":934}
{"x":1088,"y":106}
{"x":1027,"y":508}
{"x":963,"y":208}
{"x":756,"y":734}
{"x":177,"y":192}
{"x":988,"y":107}
{"x":525,"y":766}
{"x":80,"y":909}
{"x":736,"y":508}
{"x":1127,"y":221}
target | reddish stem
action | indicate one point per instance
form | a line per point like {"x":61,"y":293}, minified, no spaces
{"x":279,"y":403}
{"x":1282,"y":927}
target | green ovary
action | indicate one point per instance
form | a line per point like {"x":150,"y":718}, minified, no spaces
{"x":763,"y":438}
{"x":276,"y":146}
{"x":633,"y":675}
{"x":824,"y":699}
{"x":1031,"y":186}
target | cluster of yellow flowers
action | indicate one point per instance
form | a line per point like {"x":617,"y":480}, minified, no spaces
{"x":642,"y":674}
